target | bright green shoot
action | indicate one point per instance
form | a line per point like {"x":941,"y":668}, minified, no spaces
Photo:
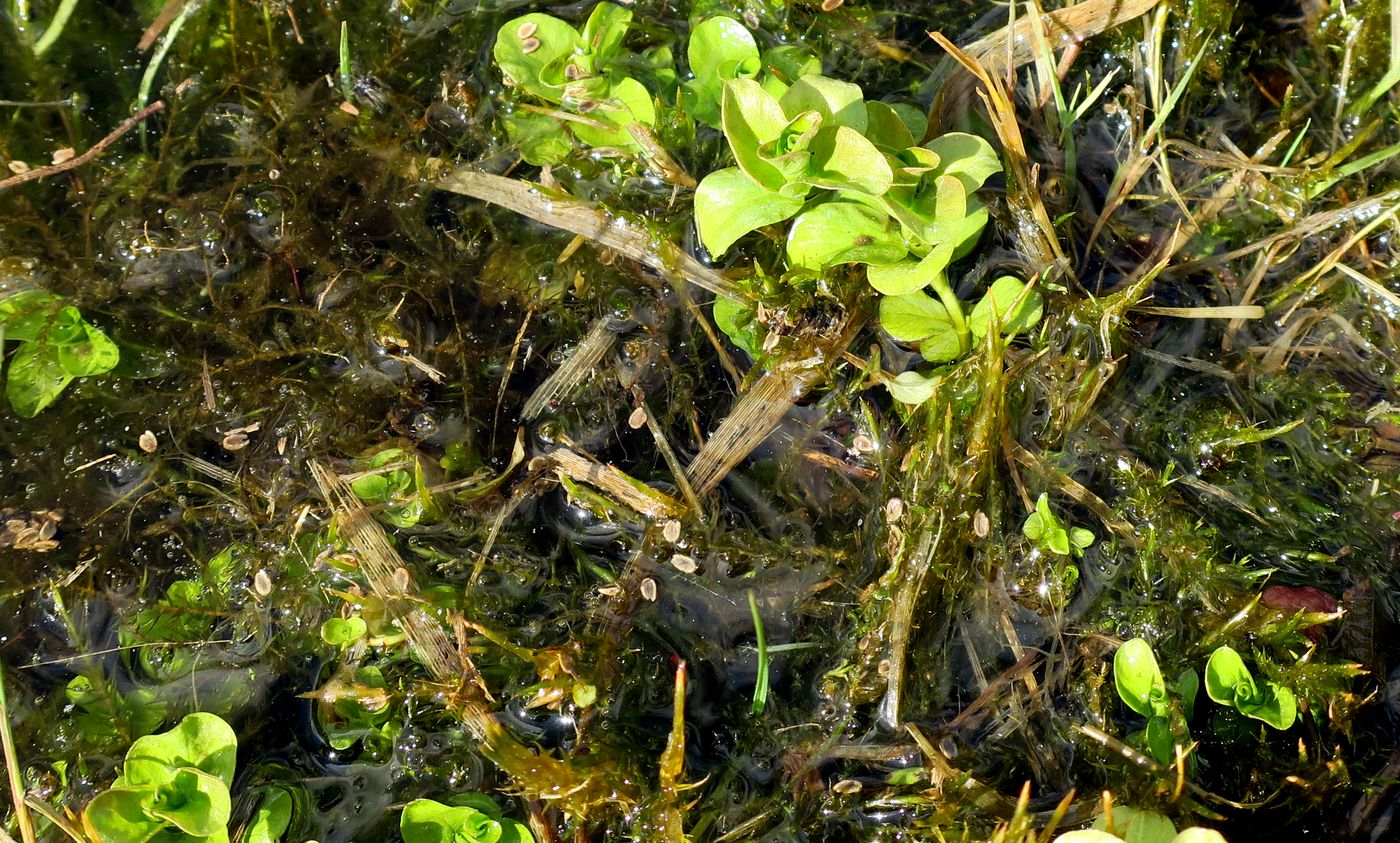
{"x":1046,"y":531}
{"x":477,"y":820}
{"x":581,"y":79}
{"x":1142,"y":688}
{"x":174,"y":784}
{"x":56,"y":346}
{"x":1230,"y":683}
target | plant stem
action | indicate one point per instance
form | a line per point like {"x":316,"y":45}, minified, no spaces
{"x":7,"y":743}
{"x":55,"y":29}
{"x":760,"y":689}
{"x":955,"y":311}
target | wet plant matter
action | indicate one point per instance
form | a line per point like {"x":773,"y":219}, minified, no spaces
{"x":437,"y":473}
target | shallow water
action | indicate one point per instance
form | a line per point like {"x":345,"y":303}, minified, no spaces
{"x":276,"y":267}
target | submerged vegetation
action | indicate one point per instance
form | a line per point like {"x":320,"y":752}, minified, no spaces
{"x":708,"y":421}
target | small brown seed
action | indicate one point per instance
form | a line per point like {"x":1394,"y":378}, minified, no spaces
{"x":671,"y":531}
{"x":527,"y":29}
{"x":894,"y":508}
{"x":262,"y":583}
{"x":684,"y":564}
{"x":235,"y":440}
{"x":19,"y":168}
{"x":402,"y":580}
{"x":148,"y":442}
{"x":648,"y":589}
{"x":64,"y":155}
{"x":47,"y":530}
{"x":981,"y":525}
{"x":529,"y":45}
{"x":845,"y":787}
{"x":831,"y":5}
{"x":638,"y":419}
{"x":863,"y":444}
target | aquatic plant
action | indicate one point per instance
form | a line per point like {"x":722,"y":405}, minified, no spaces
{"x":1043,"y":528}
{"x":173,"y":781}
{"x":472,"y":818}
{"x":1229,"y":682}
{"x":56,"y":345}
{"x":1142,"y":688}
{"x":585,"y":78}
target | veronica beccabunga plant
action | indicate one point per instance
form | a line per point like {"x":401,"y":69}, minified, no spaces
{"x":583,"y":85}
{"x":1230,"y":683}
{"x":860,"y":189}
{"x":174,"y":784}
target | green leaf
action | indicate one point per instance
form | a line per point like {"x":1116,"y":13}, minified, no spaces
{"x":843,"y":232}
{"x":627,"y":102}
{"x":35,"y":378}
{"x":1279,"y":709}
{"x":271,"y":819}
{"x":342,"y":632}
{"x":788,"y":63}
{"x":1187,"y":686}
{"x":604,"y":30}
{"x":1137,"y":677}
{"x":1058,"y":542}
{"x":426,"y":821}
{"x":839,"y":103}
{"x":912,"y":387}
{"x":1227,"y":679}
{"x":1081,"y":539}
{"x":94,"y":354}
{"x":720,"y":49}
{"x":25,"y":314}
{"x":1137,"y":826}
{"x":886,"y":129}
{"x":914,"y":118}
{"x":967,"y":157}
{"x":532,"y":50}
{"x":906,"y":276}
{"x":729,"y":204}
{"x":194,"y":802}
{"x":201,"y":741}
{"x":842,"y":159}
{"x":540,"y":138}
{"x":913,"y":317}
{"x":1034,"y":527}
{"x":1005,"y":305}
{"x":1158,"y":738}
{"x":1087,"y":835}
{"x":752,"y":118}
{"x":734,"y":319}
{"x":118,"y":815}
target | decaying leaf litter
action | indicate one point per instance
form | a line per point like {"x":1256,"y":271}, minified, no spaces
{"x":434,"y":394}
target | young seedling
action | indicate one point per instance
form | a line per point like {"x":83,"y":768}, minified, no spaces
{"x":173,"y":784}
{"x":56,"y":346}
{"x":476,"y":820}
{"x":1046,"y":531}
{"x":859,"y":189}
{"x":583,"y":79}
{"x":1230,"y":683}
{"x":1141,"y":687}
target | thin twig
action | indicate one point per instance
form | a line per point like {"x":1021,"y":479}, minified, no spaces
{"x":95,"y":150}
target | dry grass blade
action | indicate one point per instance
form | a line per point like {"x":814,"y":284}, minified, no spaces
{"x":612,"y":481}
{"x":1039,"y":240}
{"x":1067,"y":27}
{"x":590,"y":351}
{"x":583,"y":218}
{"x":381,"y":563}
